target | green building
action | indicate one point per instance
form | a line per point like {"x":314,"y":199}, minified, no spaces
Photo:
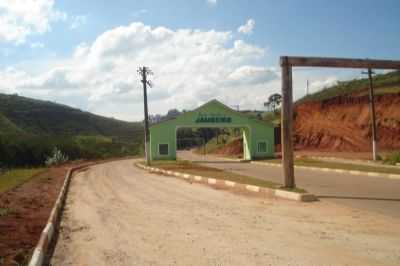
{"x":258,"y":136}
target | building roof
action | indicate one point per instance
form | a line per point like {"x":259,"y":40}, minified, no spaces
{"x":216,"y":102}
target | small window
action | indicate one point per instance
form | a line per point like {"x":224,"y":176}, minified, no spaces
{"x":163,"y":149}
{"x":262,"y":147}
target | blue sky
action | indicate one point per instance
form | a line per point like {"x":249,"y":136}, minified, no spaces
{"x":43,"y":61}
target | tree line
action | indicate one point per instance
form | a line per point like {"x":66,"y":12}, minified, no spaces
{"x":32,"y":150}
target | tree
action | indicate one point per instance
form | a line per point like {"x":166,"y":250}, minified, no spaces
{"x":274,"y":102}
{"x":172,"y":113}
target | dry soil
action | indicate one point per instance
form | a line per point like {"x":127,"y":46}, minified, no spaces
{"x":117,"y":214}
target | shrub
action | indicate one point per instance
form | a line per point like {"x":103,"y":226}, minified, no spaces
{"x":56,"y":158}
{"x":393,"y":158}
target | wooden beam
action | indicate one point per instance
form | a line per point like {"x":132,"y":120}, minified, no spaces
{"x":287,"y":124}
{"x":340,"y":62}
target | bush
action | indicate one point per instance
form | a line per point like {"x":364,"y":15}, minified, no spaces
{"x":393,"y":158}
{"x":56,"y":158}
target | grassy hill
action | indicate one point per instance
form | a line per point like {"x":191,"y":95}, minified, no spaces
{"x":8,"y":127}
{"x":47,"y":118}
{"x":30,"y":129}
{"x":383,"y":84}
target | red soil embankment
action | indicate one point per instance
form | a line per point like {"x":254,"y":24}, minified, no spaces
{"x":31,"y":204}
{"x":343,"y":124}
{"x":234,"y":148}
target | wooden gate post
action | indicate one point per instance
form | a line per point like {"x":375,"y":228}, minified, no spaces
{"x":287,"y":123}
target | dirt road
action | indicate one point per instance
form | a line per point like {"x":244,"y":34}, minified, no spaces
{"x":117,"y":214}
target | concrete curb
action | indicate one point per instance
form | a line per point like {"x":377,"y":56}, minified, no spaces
{"x":341,"y":171}
{"x":42,"y":248}
{"x":279,"y":193}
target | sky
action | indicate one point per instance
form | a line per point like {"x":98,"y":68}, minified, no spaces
{"x":86,"y":53}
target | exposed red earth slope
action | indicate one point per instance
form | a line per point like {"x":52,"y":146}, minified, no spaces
{"x":343,"y":123}
{"x":234,"y":148}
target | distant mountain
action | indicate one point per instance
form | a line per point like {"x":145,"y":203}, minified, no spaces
{"x":36,"y":117}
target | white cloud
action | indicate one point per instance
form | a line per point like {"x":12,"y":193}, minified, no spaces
{"x":22,"y":18}
{"x":317,"y":85}
{"x":250,"y":75}
{"x":77,"y":21}
{"x":248,"y":27}
{"x":190,"y":66}
{"x":212,"y":2}
{"x":35,"y":45}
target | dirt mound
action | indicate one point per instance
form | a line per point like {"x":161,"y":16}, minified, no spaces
{"x":234,"y":147}
{"x":342,"y":124}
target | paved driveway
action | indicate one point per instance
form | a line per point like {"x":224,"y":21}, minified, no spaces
{"x":377,"y":194}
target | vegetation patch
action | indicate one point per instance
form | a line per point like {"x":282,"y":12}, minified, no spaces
{"x":13,"y":178}
{"x":389,"y":83}
{"x":6,"y":211}
{"x":31,"y":129}
{"x":393,"y":158}
{"x":27,"y":150}
{"x":210,"y":172}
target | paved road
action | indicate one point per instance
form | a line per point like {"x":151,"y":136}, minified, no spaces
{"x":117,"y":215}
{"x":377,"y":194}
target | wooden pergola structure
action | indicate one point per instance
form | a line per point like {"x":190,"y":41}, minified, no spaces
{"x":287,"y":63}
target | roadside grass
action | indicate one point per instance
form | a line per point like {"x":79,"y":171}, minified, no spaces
{"x":336,"y":165}
{"x":210,"y":172}
{"x":6,"y":211}
{"x":15,"y":177}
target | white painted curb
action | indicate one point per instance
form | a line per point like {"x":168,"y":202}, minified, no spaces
{"x":304,"y":197}
{"x":287,"y":195}
{"x":48,"y":233}
{"x":212,"y":181}
{"x":253,"y":188}
{"x":230,"y":183}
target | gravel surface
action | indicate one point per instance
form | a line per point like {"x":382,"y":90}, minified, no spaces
{"x":117,"y":214}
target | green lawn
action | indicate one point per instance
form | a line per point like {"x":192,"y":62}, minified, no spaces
{"x":205,"y":171}
{"x":344,"y":166}
{"x":13,"y":178}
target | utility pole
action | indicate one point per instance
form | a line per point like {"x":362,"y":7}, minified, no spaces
{"x":372,"y":114}
{"x":307,"y":88}
{"x":144,"y":72}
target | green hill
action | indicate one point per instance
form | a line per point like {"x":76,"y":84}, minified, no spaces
{"x":383,"y":84}
{"x":8,"y":127}
{"x":47,"y":118}
{"x":31,"y":129}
